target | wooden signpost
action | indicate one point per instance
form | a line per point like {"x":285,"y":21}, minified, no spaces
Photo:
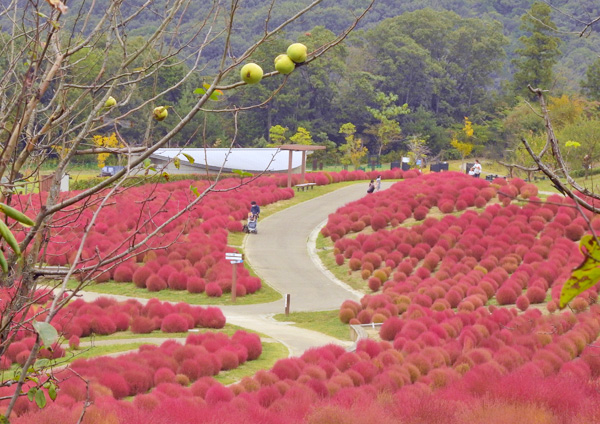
{"x":234,"y":259}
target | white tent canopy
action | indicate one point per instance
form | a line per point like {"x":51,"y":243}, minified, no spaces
{"x":244,"y":159}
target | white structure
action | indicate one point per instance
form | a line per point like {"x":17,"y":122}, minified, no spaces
{"x":214,"y":159}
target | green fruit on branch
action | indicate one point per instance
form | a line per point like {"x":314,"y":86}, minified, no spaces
{"x":284,"y":65}
{"x":251,"y":73}
{"x":297,"y":52}
{"x":160,"y":113}
{"x":110,"y":102}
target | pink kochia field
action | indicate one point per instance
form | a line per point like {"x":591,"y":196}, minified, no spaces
{"x":464,"y":276}
{"x":104,"y":317}
{"x":188,"y":253}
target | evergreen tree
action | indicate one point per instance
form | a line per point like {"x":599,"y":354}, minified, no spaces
{"x":590,"y":86}
{"x":539,"y":51}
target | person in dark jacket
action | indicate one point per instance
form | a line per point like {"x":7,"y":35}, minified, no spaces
{"x":254,"y":209}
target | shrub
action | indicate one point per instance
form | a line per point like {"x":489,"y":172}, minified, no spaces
{"x":174,"y":323}
{"x":346,"y":314}
{"x":218,"y":393}
{"x":522,"y":302}
{"x":123,"y":273}
{"x":251,"y":342}
{"x":339,"y":259}
{"x":141,"y":275}
{"x":212,"y":318}
{"x":177,"y":281}
{"x":374,"y":283}
{"x":390,"y":328}
{"x":420,"y":213}
{"x":142,"y":325}
{"x":154,"y":283}
{"x":74,"y":342}
{"x":195,"y":285}
{"x":574,"y":232}
{"x":116,"y":383}
{"x":536,"y":294}
{"x":378,"y":221}
{"x":506,"y":295}
{"x":164,"y":375}
{"x":354,"y":264}
{"x":213,"y":290}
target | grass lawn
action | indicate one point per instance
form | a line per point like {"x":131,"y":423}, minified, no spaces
{"x":265,"y":295}
{"x":326,"y":322}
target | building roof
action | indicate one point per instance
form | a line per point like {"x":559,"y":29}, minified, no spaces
{"x":301,"y":147}
{"x":244,"y":159}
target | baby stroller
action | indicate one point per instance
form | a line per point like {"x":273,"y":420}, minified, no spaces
{"x":250,"y":227}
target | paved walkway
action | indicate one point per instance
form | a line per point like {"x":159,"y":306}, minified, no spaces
{"x":283,"y":255}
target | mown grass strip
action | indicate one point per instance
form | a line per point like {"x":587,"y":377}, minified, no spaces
{"x":265,"y":295}
{"x":326,"y":322}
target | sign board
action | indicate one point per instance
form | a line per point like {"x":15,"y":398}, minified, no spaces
{"x":233,"y":256}
{"x":405,"y":160}
{"x":236,"y":261}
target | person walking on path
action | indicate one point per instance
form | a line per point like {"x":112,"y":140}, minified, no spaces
{"x":254,"y":209}
{"x":378,"y":183}
{"x":476,"y":169}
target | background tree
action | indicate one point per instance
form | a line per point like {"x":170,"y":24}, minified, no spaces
{"x":302,"y":136}
{"x":539,"y":52}
{"x":277,"y":135}
{"x":386,"y":129}
{"x":590,"y":86}
{"x":353,"y":150}
{"x":465,"y":145}
{"x":417,"y":149}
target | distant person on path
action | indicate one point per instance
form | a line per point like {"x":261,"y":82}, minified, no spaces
{"x":371,"y":188}
{"x":254,"y":209}
{"x":378,"y":183}
{"x":476,"y":169}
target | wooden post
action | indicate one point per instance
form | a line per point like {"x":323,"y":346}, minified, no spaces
{"x":290,"y":170}
{"x":233,"y":281}
{"x":287,"y":304}
{"x":303,"y":167}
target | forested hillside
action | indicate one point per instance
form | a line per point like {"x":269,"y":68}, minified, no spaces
{"x":444,"y":59}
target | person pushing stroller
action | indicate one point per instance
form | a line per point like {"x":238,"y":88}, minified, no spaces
{"x":250,"y":227}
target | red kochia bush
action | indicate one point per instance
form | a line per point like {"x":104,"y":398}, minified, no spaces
{"x":378,"y":221}
{"x":141,"y":275}
{"x":212,"y":318}
{"x":218,"y":393}
{"x":195,"y":285}
{"x":174,"y":323}
{"x":250,"y":341}
{"x":142,"y":325}
{"x":390,"y":328}
{"x":123,"y":273}
{"x":155,"y":283}
{"x":213,"y":290}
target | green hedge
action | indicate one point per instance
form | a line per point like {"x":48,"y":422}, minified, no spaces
{"x":581,"y":172}
{"x":139,"y":180}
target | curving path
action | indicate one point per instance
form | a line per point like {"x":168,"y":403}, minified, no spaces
{"x":282,"y":254}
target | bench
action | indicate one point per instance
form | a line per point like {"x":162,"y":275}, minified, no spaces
{"x":304,"y":186}
{"x":492,"y":177}
{"x":535,"y":177}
